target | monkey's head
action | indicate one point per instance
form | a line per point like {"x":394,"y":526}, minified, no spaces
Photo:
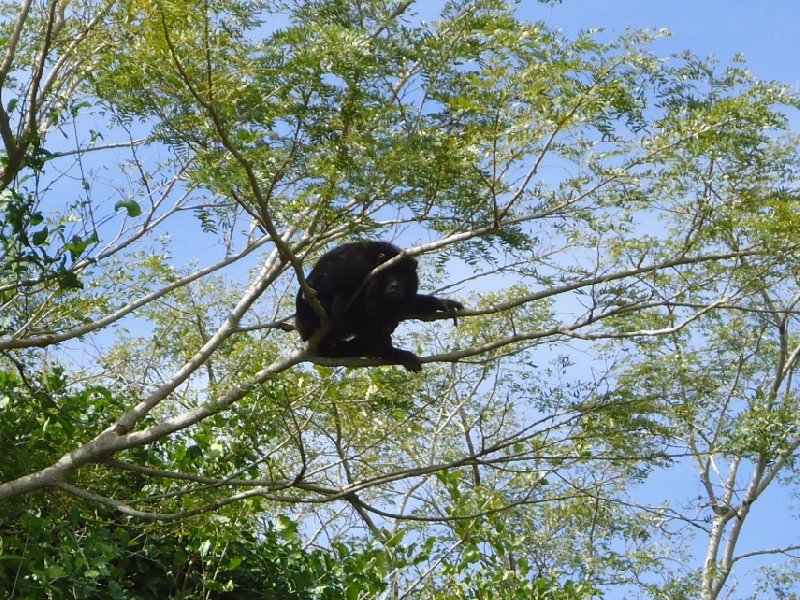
{"x":393,"y":287}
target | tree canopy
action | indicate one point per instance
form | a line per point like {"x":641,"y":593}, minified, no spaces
{"x":622,"y":228}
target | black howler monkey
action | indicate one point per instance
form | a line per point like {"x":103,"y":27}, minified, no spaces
{"x":364,"y":315}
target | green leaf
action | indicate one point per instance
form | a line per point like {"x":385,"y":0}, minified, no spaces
{"x":77,"y":245}
{"x":69,"y":281}
{"x":39,"y":237}
{"x":133,"y":208}
{"x":55,"y":571}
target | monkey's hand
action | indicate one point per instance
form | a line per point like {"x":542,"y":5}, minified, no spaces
{"x":451,"y":307}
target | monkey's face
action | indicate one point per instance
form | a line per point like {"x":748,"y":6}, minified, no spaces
{"x":395,"y":287}
{"x":390,"y":291}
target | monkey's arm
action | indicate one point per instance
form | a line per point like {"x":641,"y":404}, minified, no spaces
{"x":425,"y":305}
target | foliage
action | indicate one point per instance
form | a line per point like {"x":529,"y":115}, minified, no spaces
{"x":622,"y":228}
{"x":52,"y":550}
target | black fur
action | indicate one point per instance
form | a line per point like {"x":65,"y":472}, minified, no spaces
{"x":362,"y":322}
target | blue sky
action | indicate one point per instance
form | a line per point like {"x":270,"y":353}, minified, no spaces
{"x":767,"y":32}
